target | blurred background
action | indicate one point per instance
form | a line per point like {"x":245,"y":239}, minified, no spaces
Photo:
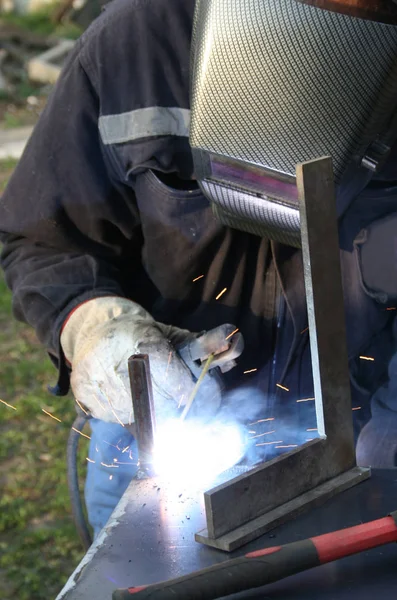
{"x":39,"y":548}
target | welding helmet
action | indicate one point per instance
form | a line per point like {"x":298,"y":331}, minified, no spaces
{"x":279,"y":82}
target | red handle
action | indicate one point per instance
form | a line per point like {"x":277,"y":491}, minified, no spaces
{"x":345,"y":542}
{"x":270,"y":564}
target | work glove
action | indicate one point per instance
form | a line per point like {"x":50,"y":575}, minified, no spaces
{"x":99,"y":337}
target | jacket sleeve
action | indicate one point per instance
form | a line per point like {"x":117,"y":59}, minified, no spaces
{"x":65,"y":220}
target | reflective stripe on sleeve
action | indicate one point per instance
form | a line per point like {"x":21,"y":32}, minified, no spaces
{"x":144,"y":123}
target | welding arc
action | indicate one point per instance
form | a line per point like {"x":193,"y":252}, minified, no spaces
{"x":197,"y":386}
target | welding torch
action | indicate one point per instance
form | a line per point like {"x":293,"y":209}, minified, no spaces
{"x":259,"y":568}
{"x":213,"y":352}
{"x":219,"y":347}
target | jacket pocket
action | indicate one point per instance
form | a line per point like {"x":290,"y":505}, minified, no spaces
{"x":178,"y":230}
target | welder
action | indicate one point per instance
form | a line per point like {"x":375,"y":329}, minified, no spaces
{"x":110,"y":248}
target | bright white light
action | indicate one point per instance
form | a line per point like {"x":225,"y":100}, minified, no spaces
{"x":194,"y":454}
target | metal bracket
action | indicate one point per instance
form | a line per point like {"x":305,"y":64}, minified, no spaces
{"x":245,"y":507}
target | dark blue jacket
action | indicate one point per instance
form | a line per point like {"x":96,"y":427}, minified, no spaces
{"x":102,"y":202}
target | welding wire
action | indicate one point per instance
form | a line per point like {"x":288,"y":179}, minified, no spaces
{"x":197,"y":386}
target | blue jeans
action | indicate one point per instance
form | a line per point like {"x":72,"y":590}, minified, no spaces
{"x":114,"y":453}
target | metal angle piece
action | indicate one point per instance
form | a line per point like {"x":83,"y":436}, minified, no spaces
{"x":245,"y":498}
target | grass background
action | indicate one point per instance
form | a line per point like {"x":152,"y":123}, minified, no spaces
{"x":39,"y":547}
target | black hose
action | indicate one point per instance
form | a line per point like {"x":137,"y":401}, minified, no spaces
{"x":73,"y":482}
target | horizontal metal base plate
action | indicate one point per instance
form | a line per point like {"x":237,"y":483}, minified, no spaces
{"x":254,"y":529}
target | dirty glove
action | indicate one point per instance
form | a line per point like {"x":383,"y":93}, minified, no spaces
{"x":100,"y":336}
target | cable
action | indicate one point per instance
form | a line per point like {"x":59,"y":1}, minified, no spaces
{"x":73,"y":482}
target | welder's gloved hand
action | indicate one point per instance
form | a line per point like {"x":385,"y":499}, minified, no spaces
{"x":100,"y":336}
{"x":377,"y":443}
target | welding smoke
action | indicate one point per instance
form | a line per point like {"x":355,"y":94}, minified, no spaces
{"x":249,"y":428}
{"x":269,"y":428}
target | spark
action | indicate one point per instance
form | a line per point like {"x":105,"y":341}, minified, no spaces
{"x":125,"y":449}
{"x":262,"y":434}
{"x":282,"y":387}
{"x":304,"y":330}
{"x":81,"y":433}
{"x":231,"y":334}
{"x":391,"y":308}
{"x":6,"y":403}
{"x":262,"y":421}
{"x":110,"y":477}
{"x":180,"y":403}
{"x":123,"y":463}
{"x":269,"y":443}
{"x":289,"y":446}
{"x":197,"y":278}
{"x":52,"y":416}
{"x":113,"y":411}
{"x":121,"y":423}
{"x":130,"y":419}
{"x":96,"y":448}
{"x":80,"y":406}
{"x":109,"y":444}
{"x":314,"y":429}
{"x":89,"y":460}
{"x":115,"y":460}
{"x":357,"y":408}
{"x":250,"y":371}
{"x":129,"y":454}
{"x":169,"y":362}
{"x":100,"y":403}
{"x":111,"y":466}
{"x":367,"y":358}
{"x":251,"y":432}
{"x":221,"y":293}
{"x":306,"y":400}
